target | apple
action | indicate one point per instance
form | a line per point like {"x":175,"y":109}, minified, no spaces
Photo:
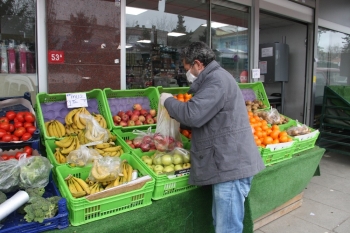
{"x":178,"y":167}
{"x":120,"y":113}
{"x":143,"y":157}
{"x":145,"y":147}
{"x":167,"y":160}
{"x":148,"y":161}
{"x":131,"y":123}
{"x":168,"y":169}
{"x":136,"y":112}
{"x":153,"y":112}
{"x":138,"y":122}
{"x":129,"y":113}
{"x":128,"y":141}
{"x":134,"y":117}
{"x":186,"y":165}
{"x":155,"y":119}
{"x":157,"y":160}
{"x":143,"y":112}
{"x":117,"y":118}
{"x":137,"y":107}
{"x":158,"y":168}
{"x":123,"y":124}
{"x":149,"y":116}
{"x":142,"y":118}
{"x":150,"y":121}
{"x":125,"y":118}
{"x":177,"y":159}
{"x":137,"y":142}
{"x":186,"y":157}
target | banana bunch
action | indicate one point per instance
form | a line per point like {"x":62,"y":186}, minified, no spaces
{"x":108,"y":149}
{"x":54,"y":128}
{"x":71,"y":129}
{"x":96,"y":187}
{"x":100,"y":119}
{"x":73,"y":118}
{"x":125,"y":176}
{"x":102,"y":173}
{"x":60,"y":158}
{"x":82,"y":139}
{"x":68,"y":144}
{"x":78,"y":187}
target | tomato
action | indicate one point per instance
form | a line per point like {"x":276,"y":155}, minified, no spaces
{"x":2,"y":133}
{"x":31,"y":129}
{"x":20,"y":117}
{"x":5,"y":126}
{"x":10,"y":115}
{"x":26,"y":136}
{"x":18,"y":155}
{"x":15,"y":138}
{"x":18,"y":124}
{"x":4,"y":119}
{"x":26,"y":124}
{"x":28,"y":150}
{"x":7,"y":138}
{"x":5,"y":157}
{"x":11,"y":157}
{"x":19,"y":132}
{"x":11,"y":128}
{"x":29,"y":117}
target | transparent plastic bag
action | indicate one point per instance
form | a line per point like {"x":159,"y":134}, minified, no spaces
{"x":34,"y":171}
{"x":9,"y":178}
{"x":299,"y":129}
{"x":165,"y":162}
{"x":167,"y":135}
{"x":94,"y":132}
{"x":83,"y":155}
{"x":105,"y":169}
{"x":144,"y":140}
{"x":272,"y":116}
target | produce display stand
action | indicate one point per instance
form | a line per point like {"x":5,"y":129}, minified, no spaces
{"x":254,"y":91}
{"x":191,"y":211}
{"x":335,"y":119}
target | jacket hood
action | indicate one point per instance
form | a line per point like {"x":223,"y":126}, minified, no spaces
{"x":202,"y":76}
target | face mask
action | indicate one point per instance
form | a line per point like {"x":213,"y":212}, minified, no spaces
{"x":190,"y":77}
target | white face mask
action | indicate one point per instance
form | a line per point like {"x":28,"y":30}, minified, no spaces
{"x":190,"y":77}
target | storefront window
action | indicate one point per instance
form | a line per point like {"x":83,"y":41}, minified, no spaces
{"x":154,"y":39}
{"x":17,"y":47}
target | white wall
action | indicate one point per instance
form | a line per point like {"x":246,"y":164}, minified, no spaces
{"x":294,"y":89}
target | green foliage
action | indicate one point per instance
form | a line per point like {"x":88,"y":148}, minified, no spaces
{"x":3,"y":197}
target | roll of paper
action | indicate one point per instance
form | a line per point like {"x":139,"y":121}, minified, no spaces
{"x":13,"y":203}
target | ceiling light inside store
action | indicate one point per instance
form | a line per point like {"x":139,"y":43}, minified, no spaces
{"x":176,"y":34}
{"x":144,"y":41}
{"x":215,"y":25}
{"x":128,"y":46}
{"x":134,"y":11}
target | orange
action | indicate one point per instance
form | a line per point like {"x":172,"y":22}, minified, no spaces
{"x":188,"y":96}
{"x":250,"y":113}
{"x":252,"y":120}
{"x":273,"y":127}
{"x":258,"y":142}
{"x":264,"y":127}
{"x":185,"y":133}
{"x":275,"y":141}
{"x":274,"y":134}
{"x":283,"y":133}
{"x":283,"y":138}
{"x":181,"y":99}
{"x":268,"y":140}
{"x":180,"y":96}
{"x":258,"y":133}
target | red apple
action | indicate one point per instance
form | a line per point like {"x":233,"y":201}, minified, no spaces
{"x":123,"y":124}
{"x":131,"y":123}
{"x":138,"y":122}
{"x":149,"y":116}
{"x":117,"y":118}
{"x":120,"y":113}
{"x":153,"y":112}
{"x":129,"y":113}
{"x":142,"y":118}
{"x":136,"y":112}
{"x":128,"y":141}
{"x":143,"y":112}
{"x":137,"y":107}
{"x":155,"y":120}
{"x":134,"y":117}
{"x":150,"y":120}
{"x":125,"y":118}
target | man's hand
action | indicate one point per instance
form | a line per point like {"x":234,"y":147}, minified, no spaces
{"x":164,"y":96}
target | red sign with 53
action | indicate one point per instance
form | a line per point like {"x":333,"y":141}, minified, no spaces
{"x":56,"y":57}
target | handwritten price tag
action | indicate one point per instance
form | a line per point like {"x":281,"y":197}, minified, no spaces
{"x":76,"y":100}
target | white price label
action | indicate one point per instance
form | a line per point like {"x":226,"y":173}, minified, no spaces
{"x":256,"y":73}
{"x":76,"y":100}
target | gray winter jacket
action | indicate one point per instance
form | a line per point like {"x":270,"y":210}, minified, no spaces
{"x":222,"y":144}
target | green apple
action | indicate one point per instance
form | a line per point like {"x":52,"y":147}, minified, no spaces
{"x":168,"y":169}
{"x":178,"y":167}
{"x":167,"y":160}
{"x":148,"y":161}
{"x":144,"y":157}
{"x":177,"y":159}
{"x":158,"y":168}
{"x":186,"y":157}
{"x":186,"y":165}
{"x":157,"y":160}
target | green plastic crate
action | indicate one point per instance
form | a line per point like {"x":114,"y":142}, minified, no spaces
{"x":50,"y":147}
{"x":126,"y":135}
{"x":305,"y":142}
{"x":278,"y":153}
{"x":164,"y":186}
{"x":123,"y":100}
{"x":54,"y":107}
{"x":254,"y":91}
{"x":83,"y":211}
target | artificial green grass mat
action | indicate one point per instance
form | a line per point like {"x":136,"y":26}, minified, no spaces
{"x":191,"y":211}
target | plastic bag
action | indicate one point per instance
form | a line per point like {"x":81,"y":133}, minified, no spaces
{"x":167,"y":135}
{"x":94,"y":132}
{"x":105,"y":169}
{"x":34,"y":171}
{"x":299,"y":129}
{"x":83,"y":155}
{"x":165,"y":162}
{"x":144,"y":140}
{"x":272,"y":116}
{"x":9,"y":178}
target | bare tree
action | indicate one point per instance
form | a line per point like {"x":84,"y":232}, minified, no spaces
{"x":164,"y":23}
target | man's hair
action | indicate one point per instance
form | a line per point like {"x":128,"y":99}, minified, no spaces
{"x":198,"y":51}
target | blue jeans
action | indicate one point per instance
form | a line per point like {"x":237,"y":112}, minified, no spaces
{"x":228,"y":205}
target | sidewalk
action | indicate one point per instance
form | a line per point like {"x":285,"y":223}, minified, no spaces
{"x":326,"y":202}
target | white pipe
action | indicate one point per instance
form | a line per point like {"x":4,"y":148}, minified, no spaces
{"x":41,"y":45}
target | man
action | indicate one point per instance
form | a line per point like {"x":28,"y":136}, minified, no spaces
{"x":223,"y":150}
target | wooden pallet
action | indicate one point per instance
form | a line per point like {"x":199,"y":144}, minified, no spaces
{"x":274,"y":214}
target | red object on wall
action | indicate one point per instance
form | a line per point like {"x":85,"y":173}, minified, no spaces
{"x":56,"y":57}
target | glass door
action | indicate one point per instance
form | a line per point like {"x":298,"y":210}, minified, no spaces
{"x":230,"y":37}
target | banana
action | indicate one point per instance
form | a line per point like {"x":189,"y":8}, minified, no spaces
{"x":47,"y":128}
{"x":83,"y":184}
{"x":94,"y":188}
{"x":60,"y":158}
{"x":97,"y":175}
{"x":76,"y":119}
{"x":65,"y":142}
{"x":110,"y":185}
{"x":114,"y":153}
{"x":79,"y":194}
{"x":71,"y":147}
{"x":60,"y":128}
{"x":129,"y":169}
{"x":69,"y":117}
{"x":76,"y":184}
{"x":112,"y":148}
{"x":103,"y":145}
{"x":116,"y":182}
{"x":101,"y":120}
{"x":71,"y":186}
{"x":50,"y":129}
{"x":86,"y":112}
{"x":101,"y":152}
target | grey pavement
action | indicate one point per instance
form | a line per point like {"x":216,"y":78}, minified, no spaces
{"x":326,"y":201}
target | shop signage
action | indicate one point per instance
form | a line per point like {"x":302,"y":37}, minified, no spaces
{"x":76,"y":100}
{"x":56,"y":57}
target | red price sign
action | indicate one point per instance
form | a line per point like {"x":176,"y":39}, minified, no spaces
{"x":56,"y":57}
